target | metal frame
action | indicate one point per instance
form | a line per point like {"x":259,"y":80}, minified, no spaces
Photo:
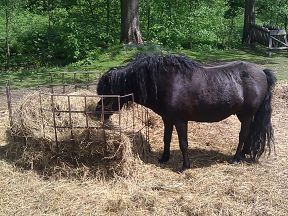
{"x":140,"y":114}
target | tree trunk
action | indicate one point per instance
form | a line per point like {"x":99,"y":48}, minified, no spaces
{"x":130,"y":31}
{"x":249,"y":18}
{"x":7,"y":44}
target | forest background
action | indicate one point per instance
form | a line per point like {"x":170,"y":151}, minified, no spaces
{"x":49,"y":33}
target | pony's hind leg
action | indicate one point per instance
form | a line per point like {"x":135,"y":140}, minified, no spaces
{"x":168,"y":128}
{"x":181,"y":128}
{"x":245,"y":126}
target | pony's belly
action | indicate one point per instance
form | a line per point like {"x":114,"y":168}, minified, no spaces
{"x":210,"y":117}
{"x":204,"y":114}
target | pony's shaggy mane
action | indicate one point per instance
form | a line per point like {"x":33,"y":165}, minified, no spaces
{"x":143,"y":74}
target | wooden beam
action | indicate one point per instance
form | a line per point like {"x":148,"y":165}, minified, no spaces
{"x":278,"y":48}
{"x":277,"y":32}
{"x":286,"y":45}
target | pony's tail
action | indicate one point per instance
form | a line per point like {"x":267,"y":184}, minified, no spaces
{"x":260,"y":134}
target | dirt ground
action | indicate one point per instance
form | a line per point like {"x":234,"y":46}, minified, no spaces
{"x":211,"y":187}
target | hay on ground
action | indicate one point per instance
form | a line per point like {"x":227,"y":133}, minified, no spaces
{"x":210,"y":187}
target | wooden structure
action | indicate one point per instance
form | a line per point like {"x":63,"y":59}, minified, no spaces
{"x":272,"y":37}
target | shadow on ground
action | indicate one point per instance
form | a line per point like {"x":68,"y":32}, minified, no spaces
{"x":199,"y":158}
{"x":48,"y":164}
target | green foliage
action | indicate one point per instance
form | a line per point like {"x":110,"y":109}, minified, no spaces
{"x":234,"y":8}
{"x":61,"y":32}
{"x":274,"y":12}
{"x":187,"y":24}
{"x":2,"y":38}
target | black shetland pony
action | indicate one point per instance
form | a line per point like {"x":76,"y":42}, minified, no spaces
{"x":181,"y":90}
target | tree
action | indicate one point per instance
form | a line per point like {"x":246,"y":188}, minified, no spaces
{"x":130,"y":30}
{"x":249,"y":19}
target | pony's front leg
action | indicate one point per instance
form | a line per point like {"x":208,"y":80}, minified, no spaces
{"x":168,"y":128}
{"x":181,"y":128}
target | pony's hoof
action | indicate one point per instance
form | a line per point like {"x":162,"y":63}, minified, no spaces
{"x":243,"y":156}
{"x":163,"y":159}
{"x":234,"y":161}
{"x":184,"y":167}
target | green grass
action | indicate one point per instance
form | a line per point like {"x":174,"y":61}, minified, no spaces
{"x":101,"y":61}
{"x":278,"y":62}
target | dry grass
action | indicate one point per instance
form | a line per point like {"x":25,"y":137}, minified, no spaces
{"x":210,"y":187}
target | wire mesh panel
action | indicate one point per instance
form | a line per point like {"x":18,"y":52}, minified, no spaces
{"x":62,"y":110}
{"x":77,"y":111}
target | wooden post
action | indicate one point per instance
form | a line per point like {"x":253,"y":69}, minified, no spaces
{"x":270,"y":46}
{"x":9,"y":103}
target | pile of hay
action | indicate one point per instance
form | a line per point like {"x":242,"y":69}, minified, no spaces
{"x":100,"y":152}
{"x":29,"y":118}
